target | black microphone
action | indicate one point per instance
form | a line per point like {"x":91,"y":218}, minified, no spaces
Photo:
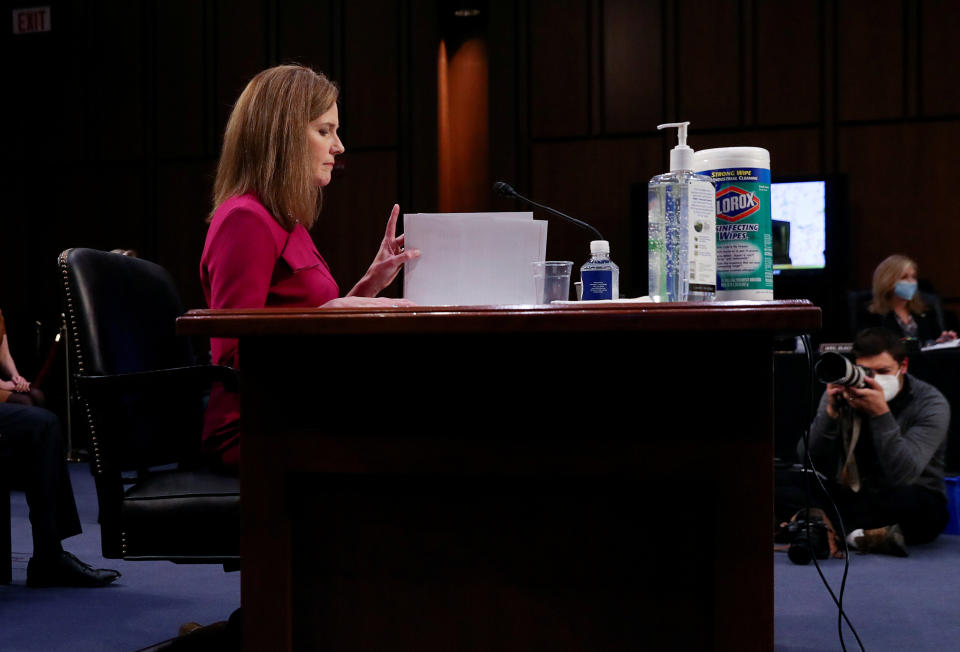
{"x":506,"y":190}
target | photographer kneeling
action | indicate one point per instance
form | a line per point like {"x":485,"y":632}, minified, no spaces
{"x":885,"y":442}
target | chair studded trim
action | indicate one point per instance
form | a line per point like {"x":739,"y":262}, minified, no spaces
{"x":74,"y":335}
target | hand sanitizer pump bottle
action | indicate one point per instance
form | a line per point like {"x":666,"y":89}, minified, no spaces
{"x":681,"y":229}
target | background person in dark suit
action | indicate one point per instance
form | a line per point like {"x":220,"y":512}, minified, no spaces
{"x":14,"y":388}
{"x":31,"y":454}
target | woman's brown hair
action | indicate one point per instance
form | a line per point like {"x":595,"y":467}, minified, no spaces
{"x":265,"y":149}
{"x":885,"y":278}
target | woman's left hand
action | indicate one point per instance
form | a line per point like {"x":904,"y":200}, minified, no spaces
{"x":388,"y":261}
{"x":20,"y":383}
{"x":947,"y":336}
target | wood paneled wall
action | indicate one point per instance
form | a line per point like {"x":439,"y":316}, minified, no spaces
{"x":115,"y":118}
{"x":118,"y":113}
{"x":865,"y":88}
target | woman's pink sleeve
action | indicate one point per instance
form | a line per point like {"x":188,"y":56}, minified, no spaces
{"x":241,"y":259}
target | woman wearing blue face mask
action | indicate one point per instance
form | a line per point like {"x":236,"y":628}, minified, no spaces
{"x":897,"y":302}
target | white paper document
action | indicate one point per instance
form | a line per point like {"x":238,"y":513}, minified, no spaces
{"x":949,"y":344}
{"x":472,"y":258}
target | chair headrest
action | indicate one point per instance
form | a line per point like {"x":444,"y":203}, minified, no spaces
{"x":122,"y":313}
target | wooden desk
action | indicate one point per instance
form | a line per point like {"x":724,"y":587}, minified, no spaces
{"x":508,"y":478}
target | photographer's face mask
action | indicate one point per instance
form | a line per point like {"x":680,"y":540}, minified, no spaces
{"x":889,"y":383}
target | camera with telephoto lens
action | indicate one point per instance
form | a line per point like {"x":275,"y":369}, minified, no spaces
{"x":836,"y":369}
{"x":807,"y":538}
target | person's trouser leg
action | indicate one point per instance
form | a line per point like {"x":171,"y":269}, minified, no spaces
{"x":31,"y":445}
{"x":922,"y":514}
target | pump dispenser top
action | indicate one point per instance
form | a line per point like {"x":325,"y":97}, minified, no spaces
{"x":681,"y":156}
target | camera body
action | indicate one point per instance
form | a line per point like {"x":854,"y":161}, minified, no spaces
{"x":836,"y":369}
{"x":807,"y":538}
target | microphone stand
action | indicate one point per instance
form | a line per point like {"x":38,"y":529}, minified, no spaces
{"x":506,"y":190}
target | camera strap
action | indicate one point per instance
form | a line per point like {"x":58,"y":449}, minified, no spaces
{"x":849,"y":475}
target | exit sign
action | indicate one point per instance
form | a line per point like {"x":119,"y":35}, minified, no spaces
{"x":32,"y":20}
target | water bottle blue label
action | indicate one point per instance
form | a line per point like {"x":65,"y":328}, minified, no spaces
{"x":597,"y":284}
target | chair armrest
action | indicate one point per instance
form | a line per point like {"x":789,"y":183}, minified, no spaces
{"x":143,"y":419}
{"x":197,"y":376}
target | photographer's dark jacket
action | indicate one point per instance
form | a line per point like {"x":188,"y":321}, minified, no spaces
{"x":905,"y":446}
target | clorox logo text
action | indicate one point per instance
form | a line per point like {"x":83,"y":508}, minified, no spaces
{"x":734,"y":204}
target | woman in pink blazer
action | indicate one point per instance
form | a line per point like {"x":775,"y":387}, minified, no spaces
{"x":278,"y":153}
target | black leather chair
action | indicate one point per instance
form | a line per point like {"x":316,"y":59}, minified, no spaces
{"x":142,"y":398}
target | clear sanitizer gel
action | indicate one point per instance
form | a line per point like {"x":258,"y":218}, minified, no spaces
{"x":681,"y":229}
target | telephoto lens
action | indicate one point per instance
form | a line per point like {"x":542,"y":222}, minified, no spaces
{"x":836,"y":369}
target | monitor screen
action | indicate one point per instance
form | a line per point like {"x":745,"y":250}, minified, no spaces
{"x":799,"y":213}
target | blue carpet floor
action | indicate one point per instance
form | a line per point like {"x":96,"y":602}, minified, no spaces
{"x":895,"y":604}
{"x":145,"y":606}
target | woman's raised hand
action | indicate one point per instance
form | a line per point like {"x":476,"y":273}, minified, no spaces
{"x":387,"y":263}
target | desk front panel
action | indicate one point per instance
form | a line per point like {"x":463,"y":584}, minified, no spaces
{"x":563,"y":490}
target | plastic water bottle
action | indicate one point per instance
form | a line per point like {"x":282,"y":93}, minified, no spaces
{"x":599,"y":275}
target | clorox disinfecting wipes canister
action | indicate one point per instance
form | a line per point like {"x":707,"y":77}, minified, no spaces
{"x":744,"y":238}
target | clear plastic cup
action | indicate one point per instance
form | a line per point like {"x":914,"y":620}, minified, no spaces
{"x":551,"y":279}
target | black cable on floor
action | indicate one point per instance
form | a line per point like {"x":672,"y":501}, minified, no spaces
{"x":808,"y":469}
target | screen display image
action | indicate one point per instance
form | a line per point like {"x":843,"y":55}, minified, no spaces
{"x":798,"y":210}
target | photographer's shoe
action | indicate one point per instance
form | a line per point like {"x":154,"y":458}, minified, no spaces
{"x":63,"y":569}
{"x":883,"y":540}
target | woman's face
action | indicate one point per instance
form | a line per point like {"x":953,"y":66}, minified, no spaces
{"x":324,"y":144}
{"x":909,"y":274}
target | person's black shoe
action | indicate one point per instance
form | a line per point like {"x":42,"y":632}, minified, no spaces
{"x":66,"y":570}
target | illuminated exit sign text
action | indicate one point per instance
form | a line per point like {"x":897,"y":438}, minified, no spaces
{"x":32,"y":20}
